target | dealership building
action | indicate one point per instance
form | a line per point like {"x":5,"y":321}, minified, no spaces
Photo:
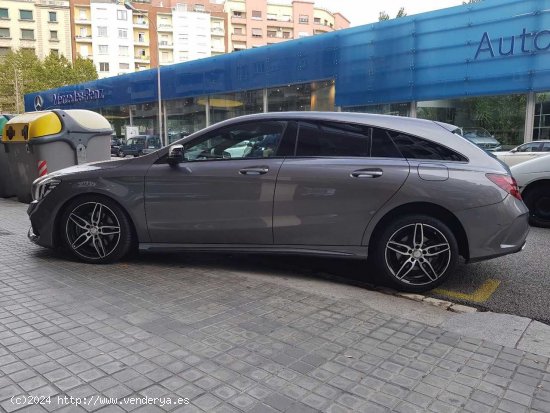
{"x":483,"y":65}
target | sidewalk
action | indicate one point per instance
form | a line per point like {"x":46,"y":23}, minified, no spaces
{"x":228,"y":340}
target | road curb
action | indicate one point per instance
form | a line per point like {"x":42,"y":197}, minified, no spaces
{"x":436,"y":302}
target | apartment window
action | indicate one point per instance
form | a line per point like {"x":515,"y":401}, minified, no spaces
{"x":256,"y":32}
{"x":4,"y":51}
{"x":82,"y":15}
{"x":317,"y":20}
{"x":121,"y":15}
{"x":141,"y":37}
{"x":238,"y":30}
{"x":103,"y":49}
{"x":4,"y":14}
{"x":84,"y":50}
{"x":122,"y":33}
{"x":53,"y":35}
{"x":123,"y":50}
{"x":286,"y":35}
{"x":27,"y":34}
{"x":238,"y":14}
{"x":271,"y":16}
{"x":124,"y":66}
{"x":286,"y":18}
{"x":199,"y":7}
{"x":103,"y":67}
{"x":102,"y":31}
{"x":256,"y":14}
{"x":83,"y":32}
{"x":25,"y":14}
{"x":303,"y":34}
{"x":165,"y":56}
{"x":4,"y":32}
{"x":271,"y":33}
{"x":141,"y":52}
{"x":52,"y":16}
{"x":55,"y":52}
{"x":303,"y":19}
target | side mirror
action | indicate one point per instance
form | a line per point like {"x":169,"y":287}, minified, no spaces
{"x":175,"y":154}
{"x":513,"y":150}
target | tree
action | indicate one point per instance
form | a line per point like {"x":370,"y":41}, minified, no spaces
{"x":382,"y":16}
{"x":25,"y":73}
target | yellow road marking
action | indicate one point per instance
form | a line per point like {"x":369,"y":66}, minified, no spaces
{"x":480,"y":295}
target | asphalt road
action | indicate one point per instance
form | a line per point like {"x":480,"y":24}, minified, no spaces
{"x":515,"y":284}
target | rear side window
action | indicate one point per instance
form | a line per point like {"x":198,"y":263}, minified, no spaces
{"x":333,"y":139}
{"x":383,"y":146}
{"x":416,"y":148}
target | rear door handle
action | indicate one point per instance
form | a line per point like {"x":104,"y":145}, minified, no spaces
{"x":261,"y":170}
{"x":367,"y":173}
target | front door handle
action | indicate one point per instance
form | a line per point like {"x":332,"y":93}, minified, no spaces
{"x":367,"y":173}
{"x":260,"y":170}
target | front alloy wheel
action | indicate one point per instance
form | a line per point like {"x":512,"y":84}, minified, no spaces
{"x":416,"y":253}
{"x":96,"y":230}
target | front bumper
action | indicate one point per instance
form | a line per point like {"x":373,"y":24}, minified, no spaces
{"x":41,"y":216}
{"x":495,"y":230}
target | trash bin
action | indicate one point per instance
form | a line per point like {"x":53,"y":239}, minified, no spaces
{"x":37,"y":143}
{"x":7,"y":189}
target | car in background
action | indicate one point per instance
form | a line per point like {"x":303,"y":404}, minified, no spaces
{"x":533,"y":178}
{"x":482,"y":138}
{"x":404,"y":193}
{"x":140,"y":145}
{"x":524,"y":152}
{"x":116,"y":143}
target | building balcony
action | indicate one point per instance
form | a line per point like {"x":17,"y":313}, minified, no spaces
{"x":287,"y":24}
{"x":166,"y":45}
{"x":83,"y":39}
{"x":141,"y":24}
{"x":217,"y":48}
{"x":142,"y":59}
{"x":165,"y":28}
{"x":238,"y":19}
{"x":218,"y":31}
{"x":238,"y":37}
{"x":141,"y":42}
{"x":83,"y":21}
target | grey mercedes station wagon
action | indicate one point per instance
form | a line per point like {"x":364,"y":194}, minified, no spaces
{"x":408,"y":193}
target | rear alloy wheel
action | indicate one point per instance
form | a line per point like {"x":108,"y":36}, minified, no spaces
{"x":537,"y":200}
{"x":96,"y":229}
{"x":416,"y":253}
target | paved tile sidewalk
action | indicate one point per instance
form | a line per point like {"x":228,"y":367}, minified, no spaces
{"x":172,"y":327}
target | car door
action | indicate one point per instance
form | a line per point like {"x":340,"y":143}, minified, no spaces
{"x":327,"y":193}
{"x":213,"y":198}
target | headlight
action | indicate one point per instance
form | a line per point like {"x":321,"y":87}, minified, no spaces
{"x":44,"y":187}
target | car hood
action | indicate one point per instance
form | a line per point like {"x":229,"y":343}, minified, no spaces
{"x":88,"y":167}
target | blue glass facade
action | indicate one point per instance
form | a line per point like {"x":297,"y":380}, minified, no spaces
{"x":493,"y":47}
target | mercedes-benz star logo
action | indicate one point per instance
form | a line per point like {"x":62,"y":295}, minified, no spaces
{"x":38,"y":102}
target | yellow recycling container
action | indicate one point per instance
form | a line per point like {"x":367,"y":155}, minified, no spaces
{"x":37,"y":143}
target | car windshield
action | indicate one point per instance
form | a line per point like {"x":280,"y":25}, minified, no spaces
{"x":136,"y":141}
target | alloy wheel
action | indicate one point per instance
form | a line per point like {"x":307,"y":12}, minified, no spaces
{"x":93,"y":230}
{"x":418,"y":254}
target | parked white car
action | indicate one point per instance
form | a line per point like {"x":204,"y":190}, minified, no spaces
{"x":533,"y":178}
{"x":524,"y":152}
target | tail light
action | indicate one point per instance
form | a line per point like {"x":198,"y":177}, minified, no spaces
{"x":506,"y":183}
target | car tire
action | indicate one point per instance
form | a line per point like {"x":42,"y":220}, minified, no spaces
{"x":121,"y":154}
{"x":537,"y":200}
{"x":415,"y":253}
{"x":96,"y":229}
{"x":140,"y":153}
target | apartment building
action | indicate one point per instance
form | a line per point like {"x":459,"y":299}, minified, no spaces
{"x":41,"y":25}
{"x":254,"y":23}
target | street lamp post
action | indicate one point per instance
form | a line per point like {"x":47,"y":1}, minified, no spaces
{"x":163,"y":137}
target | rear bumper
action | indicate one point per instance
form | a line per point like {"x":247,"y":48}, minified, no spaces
{"x":495,"y":230}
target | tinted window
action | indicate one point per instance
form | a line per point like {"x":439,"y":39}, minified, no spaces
{"x":529,"y":147}
{"x":249,"y":140}
{"x":333,"y":139}
{"x":415,"y":148}
{"x":383,"y":146}
{"x":546,"y":147}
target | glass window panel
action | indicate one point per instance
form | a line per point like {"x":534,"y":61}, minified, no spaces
{"x":25,"y":14}
{"x":415,"y":148}
{"x":382,"y":145}
{"x":502,"y":116}
{"x":542,"y":116}
{"x":333,"y":139}
{"x":230,"y":105}
{"x":184,"y":116}
{"x":4,"y":13}
{"x":289,"y":98}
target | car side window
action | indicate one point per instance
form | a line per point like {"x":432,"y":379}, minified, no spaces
{"x":529,"y":147}
{"x":383,"y":146}
{"x":333,"y":139}
{"x":244,"y":141}
{"x":413,"y":147}
{"x":546,"y":147}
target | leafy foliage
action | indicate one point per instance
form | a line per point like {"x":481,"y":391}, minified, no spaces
{"x":22,"y":72}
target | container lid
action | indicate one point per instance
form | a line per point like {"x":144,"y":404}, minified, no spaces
{"x":31,"y":125}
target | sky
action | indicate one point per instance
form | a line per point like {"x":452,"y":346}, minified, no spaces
{"x":366,"y":11}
